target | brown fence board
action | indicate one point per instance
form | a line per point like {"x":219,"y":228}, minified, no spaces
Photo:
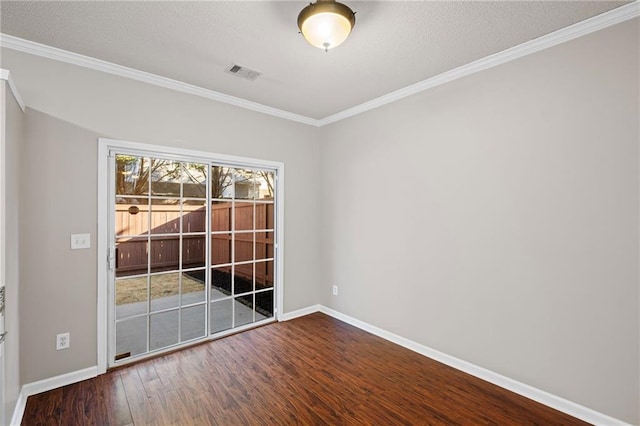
{"x":132,"y":251}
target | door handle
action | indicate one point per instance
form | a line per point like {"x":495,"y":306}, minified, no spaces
{"x":111,"y":258}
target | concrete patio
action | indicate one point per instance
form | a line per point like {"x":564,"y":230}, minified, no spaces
{"x":131,"y":334}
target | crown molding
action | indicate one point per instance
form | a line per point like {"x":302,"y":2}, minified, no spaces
{"x":588,"y":26}
{"x":6,"y":76}
{"x":621,"y":14}
{"x":38,"y":49}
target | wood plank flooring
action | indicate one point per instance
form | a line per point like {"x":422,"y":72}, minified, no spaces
{"x":313,"y":370}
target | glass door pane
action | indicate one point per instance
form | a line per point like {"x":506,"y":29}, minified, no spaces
{"x":242,"y":248}
{"x":161,"y":252}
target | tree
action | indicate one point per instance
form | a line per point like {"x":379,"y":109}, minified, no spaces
{"x":133,"y":173}
{"x":221,"y":179}
{"x":268,"y":178}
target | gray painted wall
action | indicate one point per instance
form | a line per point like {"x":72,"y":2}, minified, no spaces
{"x":495,"y":219}
{"x":59,"y":184}
{"x":13,"y":138}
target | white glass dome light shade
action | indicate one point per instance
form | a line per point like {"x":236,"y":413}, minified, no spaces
{"x":326,"y":24}
{"x":326,"y":30}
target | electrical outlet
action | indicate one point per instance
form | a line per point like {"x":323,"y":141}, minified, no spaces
{"x":335,"y":290}
{"x":63,"y":341}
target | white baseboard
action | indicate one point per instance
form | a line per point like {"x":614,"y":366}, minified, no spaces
{"x":18,"y":411}
{"x":538,"y":395}
{"x":47,"y":385}
{"x":299,"y":313}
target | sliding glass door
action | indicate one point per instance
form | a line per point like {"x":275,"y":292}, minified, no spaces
{"x":192,"y":251}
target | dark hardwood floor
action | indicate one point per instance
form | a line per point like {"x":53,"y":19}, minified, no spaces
{"x":313,"y":370}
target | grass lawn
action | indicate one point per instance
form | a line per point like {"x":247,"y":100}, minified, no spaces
{"x":132,"y":290}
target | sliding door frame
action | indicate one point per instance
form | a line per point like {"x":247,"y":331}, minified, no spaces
{"x":105,"y":146}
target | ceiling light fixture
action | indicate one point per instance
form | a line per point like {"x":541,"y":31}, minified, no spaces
{"x":326,"y":23}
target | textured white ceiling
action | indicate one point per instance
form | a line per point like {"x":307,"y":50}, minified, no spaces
{"x":394,"y":44}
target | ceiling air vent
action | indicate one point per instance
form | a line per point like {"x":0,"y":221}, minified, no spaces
{"x":243,"y":72}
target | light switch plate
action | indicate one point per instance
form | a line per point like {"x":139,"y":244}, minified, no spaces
{"x":80,"y":241}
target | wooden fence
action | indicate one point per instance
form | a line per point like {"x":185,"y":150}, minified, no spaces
{"x":134,"y":223}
